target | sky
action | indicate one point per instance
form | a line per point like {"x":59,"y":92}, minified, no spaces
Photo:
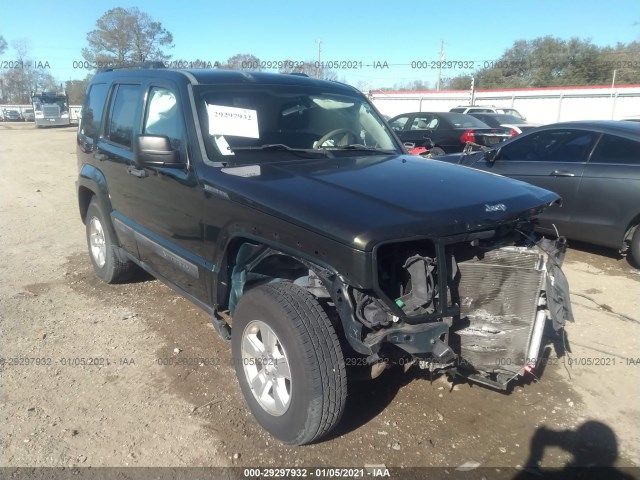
{"x":365,"y":33}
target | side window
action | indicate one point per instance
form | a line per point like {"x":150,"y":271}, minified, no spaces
{"x":423,"y":122}
{"x":92,"y":110}
{"x":551,"y":146}
{"x":163,"y":117}
{"x":399,"y":123}
{"x":123,"y":114}
{"x":613,"y":149}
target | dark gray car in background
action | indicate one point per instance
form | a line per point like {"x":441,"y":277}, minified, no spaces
{"x":593,"y":165}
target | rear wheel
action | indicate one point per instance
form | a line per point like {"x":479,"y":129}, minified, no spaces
{"x":108,"y":262}
{"x":288,"y":362}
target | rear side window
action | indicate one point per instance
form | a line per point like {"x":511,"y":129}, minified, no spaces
{"x":424,"y":122}
{"x":123,"y":114}
{"x":92,"y":110}
{"x":457,"y":110}
{"x":613,"y":149}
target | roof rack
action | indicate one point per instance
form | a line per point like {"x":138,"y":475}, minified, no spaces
{"x":132,"y":66}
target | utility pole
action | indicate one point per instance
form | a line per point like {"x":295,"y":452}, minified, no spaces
{"x":440,"y":65}
{"x":319,"y":42}
{"x":613,"y":82}
{"x":472,"y":91}
{"x":613,"y":102}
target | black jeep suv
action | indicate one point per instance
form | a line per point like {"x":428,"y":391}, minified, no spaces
{"x":287,"y":209}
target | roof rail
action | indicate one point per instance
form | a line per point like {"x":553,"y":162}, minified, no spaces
{"x":299,"y":74}
{"x":132,"y":66}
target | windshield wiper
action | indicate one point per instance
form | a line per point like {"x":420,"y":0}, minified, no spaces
{"x":280,"y":147}
{"x":358,"y":147}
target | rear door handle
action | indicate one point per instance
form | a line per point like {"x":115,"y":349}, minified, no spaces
{"x":562,"y":173}
{"x":136,"y":172}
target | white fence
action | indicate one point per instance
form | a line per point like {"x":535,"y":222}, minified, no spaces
{"x":74,"y":110}
{"x":539,"y":105}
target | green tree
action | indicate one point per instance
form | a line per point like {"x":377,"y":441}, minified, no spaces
{"x":461,"y":82}
{"x":623,"y":58}
{"x":242,"y":61}
{"x":550,"y":62}
{"x":76,"y":90}
{"x":308,"y":68}
{"x":19,"y":83}
{"x":127,"y":35}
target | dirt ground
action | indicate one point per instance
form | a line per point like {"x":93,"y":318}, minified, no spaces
{"x":161,"y":390}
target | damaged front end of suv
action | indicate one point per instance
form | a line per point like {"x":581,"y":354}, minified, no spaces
{"x":473,"y":305}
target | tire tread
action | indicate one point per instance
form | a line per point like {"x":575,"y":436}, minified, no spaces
{"x":119,"y":269}
{"x":322,"y":347}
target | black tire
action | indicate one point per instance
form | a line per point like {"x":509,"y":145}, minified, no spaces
{"x":635,"y":246}
{"x":116,"y":268}
{"x":318,"y":378}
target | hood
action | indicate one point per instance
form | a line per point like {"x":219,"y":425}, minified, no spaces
{"x":360,"y":201}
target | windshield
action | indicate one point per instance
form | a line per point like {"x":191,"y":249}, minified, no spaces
{"x":251,"y":122}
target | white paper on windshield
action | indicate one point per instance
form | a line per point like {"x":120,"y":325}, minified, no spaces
{"x":247,"y":171}
{"x":222,"y":145}
{"x":241,"y":122}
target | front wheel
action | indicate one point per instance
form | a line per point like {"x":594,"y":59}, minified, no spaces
{"x":289,"y":362}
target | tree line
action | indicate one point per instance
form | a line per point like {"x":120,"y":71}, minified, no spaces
{"x":130,"y":35}
{"x":553,"y":62}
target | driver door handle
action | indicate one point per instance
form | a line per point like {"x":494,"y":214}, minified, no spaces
{"x":136,"y":172}
{"x":562,"y":173}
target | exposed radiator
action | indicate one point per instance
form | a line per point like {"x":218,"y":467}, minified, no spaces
{"x":498,"y":302}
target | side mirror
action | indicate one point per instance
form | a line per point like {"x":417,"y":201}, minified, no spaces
{"x":490,"y":156}
{"x":155,"y":150}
